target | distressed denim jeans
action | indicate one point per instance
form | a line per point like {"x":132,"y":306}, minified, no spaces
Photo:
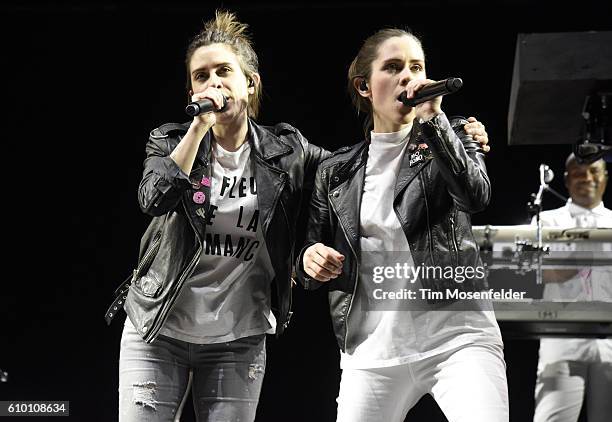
{"x":153,"y":378}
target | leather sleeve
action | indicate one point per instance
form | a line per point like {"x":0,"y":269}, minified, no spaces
{"x":318,"y":228}
{"x":313,"y":155}
{"x":461,"y":162}
{"x":163,"y":182}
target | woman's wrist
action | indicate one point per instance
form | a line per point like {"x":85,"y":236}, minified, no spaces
{"x":426,"y":117}
{"x":198,"y":128}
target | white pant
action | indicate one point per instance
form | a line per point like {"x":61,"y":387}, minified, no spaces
{"x":561,"y":387}
{"x":469,"y":384}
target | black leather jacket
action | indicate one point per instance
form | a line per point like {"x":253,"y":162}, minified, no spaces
{"x":433,"y":201}
{"x":284,"y":164}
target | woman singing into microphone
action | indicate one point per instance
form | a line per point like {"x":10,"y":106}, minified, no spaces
{"x":225,"y":194}
{"x":216,"y":260}
{"x":407,"y":191}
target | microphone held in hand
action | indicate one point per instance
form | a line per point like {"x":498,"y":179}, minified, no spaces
{"x":204,"y":106}
{"x":431,"y":91}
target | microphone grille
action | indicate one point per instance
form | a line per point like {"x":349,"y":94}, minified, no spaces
{"x":454,"y":84}
{"x":192,"y":109}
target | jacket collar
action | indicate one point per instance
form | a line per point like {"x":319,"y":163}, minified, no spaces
{"x":360,"y":157}
{"x":352,"y":164}
{"x":406,"y":172}
{"x":347,"y":182}
{"x":264,"y":143}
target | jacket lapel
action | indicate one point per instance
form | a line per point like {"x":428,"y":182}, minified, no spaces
{"x":265,"y":147}
{"x":345,"y":193}
{"x":413,"y":161}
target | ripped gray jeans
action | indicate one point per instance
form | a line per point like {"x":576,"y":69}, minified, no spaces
{"x":153,"y":378}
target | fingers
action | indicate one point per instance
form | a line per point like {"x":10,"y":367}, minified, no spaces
{"x":322,"y":262}
{"x":486,"y":148}
{"x":474,"y":127}
{"x":216,"y":96}
{"x":415,"y":85}
{"x":329,"y":254}
{"x":477,"y":130}
{"x":427,"y":109}
{"x":211,"y":93}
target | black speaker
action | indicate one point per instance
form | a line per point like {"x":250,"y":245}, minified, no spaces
{"x":554,"y":75}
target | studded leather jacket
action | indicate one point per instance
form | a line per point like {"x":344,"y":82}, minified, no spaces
{"x":438,"y":187}
{"x":284,"y":164}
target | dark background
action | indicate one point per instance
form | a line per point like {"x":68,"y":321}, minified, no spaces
{"x":84,"y":84}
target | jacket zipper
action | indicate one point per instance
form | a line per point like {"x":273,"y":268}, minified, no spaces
{"x":356,"y":278}
{"x":427,"y":215}
{"x":451,"y":157}
{"x":454,"y":163}
{"x":148,"y":256}
{"x":157,"y":198}
{"x":287,"y":221}
{"x":276,"y":199}
{"x":283,"y":180}
{"x":454,"y":239}
{"x":291,"y":258}
{"x":163,"y":313}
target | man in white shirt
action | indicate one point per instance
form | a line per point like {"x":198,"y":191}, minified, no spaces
{"x":573,"y":370}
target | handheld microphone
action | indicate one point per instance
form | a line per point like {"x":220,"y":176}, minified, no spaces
{"x":204,"y":106}
{"x":431,"y":91}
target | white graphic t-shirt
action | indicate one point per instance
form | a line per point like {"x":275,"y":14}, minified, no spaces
{"x":228,"y":295}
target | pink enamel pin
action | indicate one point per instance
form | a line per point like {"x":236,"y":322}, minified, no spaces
{"x":199,"y":197}
{"x":205,"y":181}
